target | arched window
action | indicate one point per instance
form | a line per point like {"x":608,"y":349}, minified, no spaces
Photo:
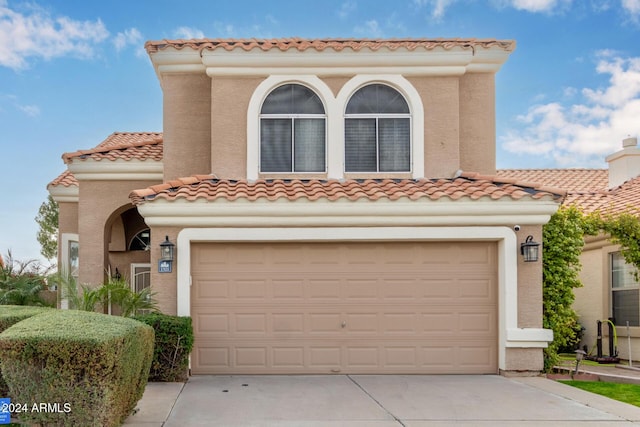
{"x":141,"y":241}
{"x":292,"y":131}
{"x":377,"y":131}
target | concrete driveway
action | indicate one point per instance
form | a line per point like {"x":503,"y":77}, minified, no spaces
{"x":377,"y":401}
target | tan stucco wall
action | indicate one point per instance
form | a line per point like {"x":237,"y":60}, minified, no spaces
{"x":164,"y":285}
{"x":100,"y":201}
{"x":530,"y":282}
{"x":477,"y":123}
{"x":230,"y":101}
{"x":187,"y":125}
{"x":335,"y":83}
{"x":440,"y":100}
{"x":210,"y":135}
{"x":593,"y":301}
{"x":524,"y":360}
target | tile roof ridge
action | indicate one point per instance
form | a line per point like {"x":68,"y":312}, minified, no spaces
{"x":626,"y":183}
{"x":67,"y":157}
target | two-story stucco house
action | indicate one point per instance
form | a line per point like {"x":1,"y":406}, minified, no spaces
{"x":333,"y":205}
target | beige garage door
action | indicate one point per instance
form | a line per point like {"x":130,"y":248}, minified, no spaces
{"x":344,"y":307}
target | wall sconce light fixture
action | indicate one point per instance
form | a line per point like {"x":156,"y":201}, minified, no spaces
{"x":166,"y":250}
{"x":529,"y":249}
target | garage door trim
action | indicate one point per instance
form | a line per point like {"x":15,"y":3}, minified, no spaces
{"x":509,"y":335}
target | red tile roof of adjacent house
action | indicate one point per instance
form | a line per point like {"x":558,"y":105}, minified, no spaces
{"x":469,"y":186}
{"x":588,"y":189}
{"x":570,"y":179}
{"x":300,"y":44}
{"x":122,"y":146}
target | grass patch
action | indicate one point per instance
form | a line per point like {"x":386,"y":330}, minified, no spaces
{"x":628,"y":393}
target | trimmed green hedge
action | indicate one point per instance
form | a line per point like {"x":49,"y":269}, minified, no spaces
{"x":93,"y":366}
{"x":12,"y":314}
{"x":174,"y":341}
{"x":9,"y":316}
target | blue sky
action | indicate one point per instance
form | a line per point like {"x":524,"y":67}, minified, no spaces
{"x":74,"y":71}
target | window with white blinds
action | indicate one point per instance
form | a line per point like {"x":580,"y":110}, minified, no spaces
{"x":377,"y":131}
{"x":292,"y":131}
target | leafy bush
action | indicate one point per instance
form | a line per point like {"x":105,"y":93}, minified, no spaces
{"x":174,"y":341}
{"x":9,"y":316}
{"x":21,"y":282}
{"x":563,"y":241}
{"x":94,"y":365}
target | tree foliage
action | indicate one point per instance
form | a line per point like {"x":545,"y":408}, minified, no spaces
{"x":563,"y":240}
{"x":624,"y":230}
{"x":47,"y":220}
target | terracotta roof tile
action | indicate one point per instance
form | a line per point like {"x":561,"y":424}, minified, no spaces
{"x":336,"y":44}
{"x":65,"y":179}
{"x":211,"y":189}
{"x":587,"y":188}
{"x":122,"y":146}
{"x":569,"y":179}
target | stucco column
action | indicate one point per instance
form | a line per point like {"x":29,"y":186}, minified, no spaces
{"x":478,"y":123}
{"x":187,"y":125}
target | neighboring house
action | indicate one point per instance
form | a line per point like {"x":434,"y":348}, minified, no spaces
{"x":322,"y":221}
{"x":610,"y":290}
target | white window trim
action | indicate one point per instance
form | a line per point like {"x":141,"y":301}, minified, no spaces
{"x":253,"y":115}
{"x":335,"y":109}
{"x":65,"y":239}
{"x":132,"y":282}
{"x":416,"y":111}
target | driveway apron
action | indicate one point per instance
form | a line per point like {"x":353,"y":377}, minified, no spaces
{"x":391,"y":400}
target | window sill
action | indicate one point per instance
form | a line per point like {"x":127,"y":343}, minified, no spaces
{"x":293,"y":175}
{"x":378,"y":175}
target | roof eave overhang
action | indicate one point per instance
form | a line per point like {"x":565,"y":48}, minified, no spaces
{"x":435,"y":62}
{"x":62,"y":193}
{"x":116,"y":170}
{"x":345,"y":213}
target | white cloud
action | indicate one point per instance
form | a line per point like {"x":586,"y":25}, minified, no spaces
{"x":582,"y":134}
{"x":130,"y":37}
{"x":438,"y":7}
{"x":631,"y":6}
{"x":370,"y":29}
{"x":188,"y":33}
{"x":36,"y":34}
{"x":535,"y":6}
{"x":346,"y":9}
{"x":30,"y":110}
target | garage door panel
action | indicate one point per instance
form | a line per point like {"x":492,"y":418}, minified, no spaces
{"x":285,"y":357}
{"x":349,"y":307}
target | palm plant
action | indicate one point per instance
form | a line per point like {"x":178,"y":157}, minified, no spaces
{"x":115,"y":293}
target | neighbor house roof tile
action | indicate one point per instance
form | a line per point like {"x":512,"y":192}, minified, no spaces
{"x":122,"y":146}
{"x":588,"y":189}
{"x":336,"y":44}
{"x":207,"y":187}
{"x":569,"y":179}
